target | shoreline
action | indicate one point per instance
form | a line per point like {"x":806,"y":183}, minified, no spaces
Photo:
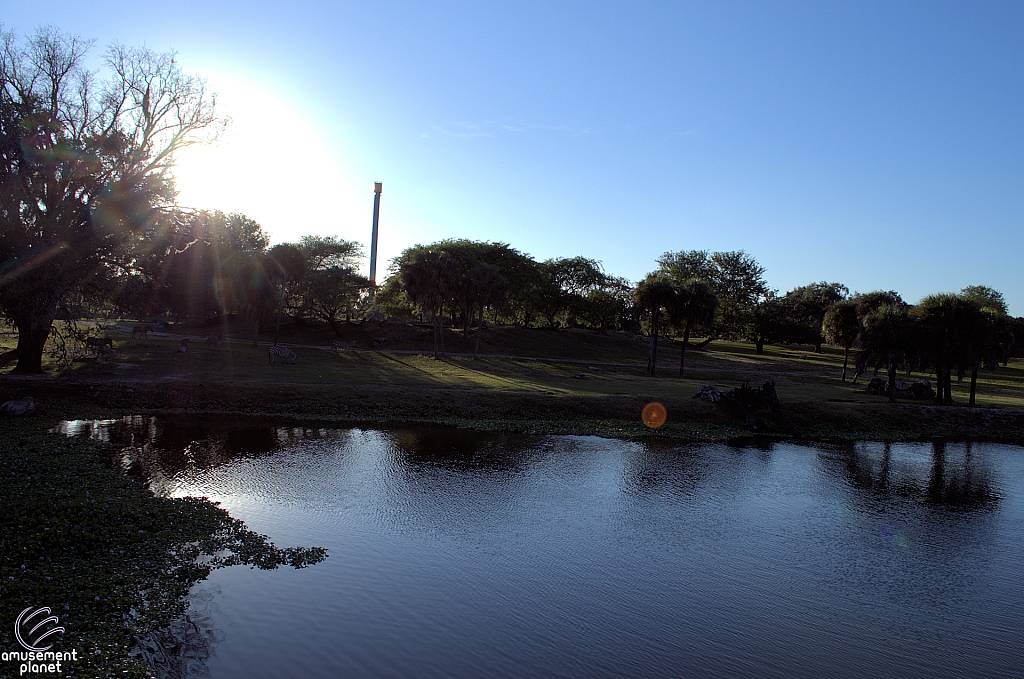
{"x":610,"y":416}
{"x":112,"y":546}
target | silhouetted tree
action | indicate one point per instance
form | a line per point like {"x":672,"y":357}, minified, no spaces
{"x":489,"y":289}
{"x":841,"y":327}
{"x":191,"y":262}
{"x":869,"y":301}
{"x":324,"y":252}
{"x":805,"y":308}
{"x":888,"y":337}
{"x":332,"y":292}
{"x":694,"y":306}
{"x":768,"y":321}
{"x":948,"y":321}
{"x":604,"y":308}
{"x":83,"y":163}
{"x":427,"y":281}
{"x":736,"y":278}
{"x":654,"y":294}
{"x":987,"y":298}
{"x":289,"y":268}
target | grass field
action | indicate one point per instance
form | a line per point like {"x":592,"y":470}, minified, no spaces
{"x":522,"y":374}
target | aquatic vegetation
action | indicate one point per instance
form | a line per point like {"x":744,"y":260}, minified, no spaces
{"x":108,"y":556}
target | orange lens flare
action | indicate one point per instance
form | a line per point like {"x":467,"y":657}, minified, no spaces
{"x":654,"y":415}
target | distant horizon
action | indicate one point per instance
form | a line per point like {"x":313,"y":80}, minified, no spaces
{"x":878,"y":147}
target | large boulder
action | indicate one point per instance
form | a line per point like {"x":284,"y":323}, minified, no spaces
{"x":918,"y":391}
{"x":922,"y":390}
{"x":708,"y":393}
{"x":18,"y":407}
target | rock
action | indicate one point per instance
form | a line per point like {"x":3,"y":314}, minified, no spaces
{"x":878,"y":387}
{"x":922,"y":390}
{"x":708,"y":393}
{"x":918,"y":391}
{"x":19,"y":407}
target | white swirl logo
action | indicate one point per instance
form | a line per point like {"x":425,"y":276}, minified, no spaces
{"x":24,"y":621}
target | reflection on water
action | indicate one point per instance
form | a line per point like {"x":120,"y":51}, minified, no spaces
{"x":467,"y":554}
{"x":158,"y":450}
{"x":950,"y":476}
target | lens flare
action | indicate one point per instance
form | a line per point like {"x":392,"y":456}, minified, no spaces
{"x":654,"y":415}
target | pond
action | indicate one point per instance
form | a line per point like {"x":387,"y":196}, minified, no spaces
{"x":463,"y":554}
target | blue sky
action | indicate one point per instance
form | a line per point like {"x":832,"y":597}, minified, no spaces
{"x":880,"y":145}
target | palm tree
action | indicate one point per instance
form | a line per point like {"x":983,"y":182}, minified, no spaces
{"x":425,"y":277}
{"x":888,"y":336}
{"x":489,"y":290}
{"x":841,"y":327}
{"x":948,"y":323}
{"x":653,"y":294}
{"x":694,"y":306}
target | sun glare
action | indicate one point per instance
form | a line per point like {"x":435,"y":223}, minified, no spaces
{"x":272,"y":164}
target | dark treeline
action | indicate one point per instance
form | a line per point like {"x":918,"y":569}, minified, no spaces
{"x":721,"y":295}
{"x":88,"y":219}
{"x":88,"y":223}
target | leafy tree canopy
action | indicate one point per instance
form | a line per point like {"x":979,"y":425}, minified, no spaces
{"x":85,"y":161}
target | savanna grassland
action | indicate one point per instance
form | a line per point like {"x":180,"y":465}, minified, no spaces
{"x":575,"y":381}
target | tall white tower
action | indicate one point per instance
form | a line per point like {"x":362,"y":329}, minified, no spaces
{"x":377,"y":188}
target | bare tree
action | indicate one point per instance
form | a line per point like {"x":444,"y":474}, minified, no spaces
{"x":85,"y":160}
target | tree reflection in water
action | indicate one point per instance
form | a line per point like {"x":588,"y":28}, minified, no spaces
{"x":952,"y":478}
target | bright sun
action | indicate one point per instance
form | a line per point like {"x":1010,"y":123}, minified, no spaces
{"x":272,"y":165}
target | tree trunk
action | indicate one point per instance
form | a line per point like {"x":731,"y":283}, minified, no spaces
{"x":759,"y":345}
{"x":846,"y":359}
{"x":479,"y":329}
{"x":682,"y":352}
{"x":892,"y":379}
{"x":652,"y":359}
{"x":277,"y":328}
{"x":938,"y":384}
{"x":948,"y":398}
{"x":441,"y":324}
{"x":32,"y":336}
{"x":974,"y":383}
{"x":436,"y":334}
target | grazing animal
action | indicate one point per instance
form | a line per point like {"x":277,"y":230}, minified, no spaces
{"x":183,"y":347}
{"x":98,"y":344}
{"x":141,"y":330}
{"x":284,"y":353}
{"x":214,"y":340}
{"x":338,"y":345}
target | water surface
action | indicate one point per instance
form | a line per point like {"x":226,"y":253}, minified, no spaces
{"x":460,"y":554}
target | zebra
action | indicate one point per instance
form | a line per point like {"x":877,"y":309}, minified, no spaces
{"x":338,"y":345}
{"x":142,"y":330}
{"x":214,"y":340}
{"x":284,"y":353}
{"x":99,"y":344}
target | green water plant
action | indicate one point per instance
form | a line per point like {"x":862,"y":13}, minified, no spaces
{"x":110,"y":558}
